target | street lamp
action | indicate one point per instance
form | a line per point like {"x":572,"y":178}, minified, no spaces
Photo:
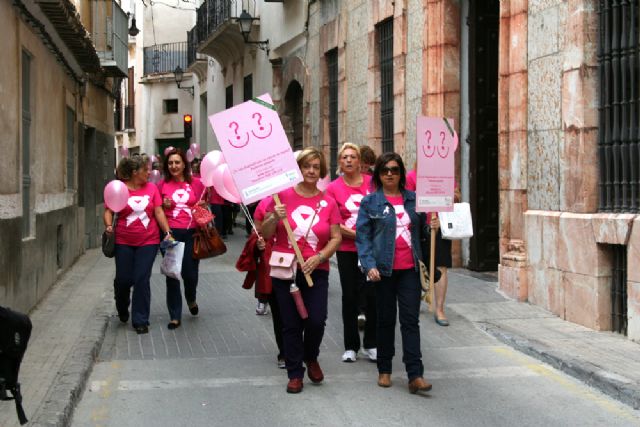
{"x":178,"y":75}
{"x":245,"y":20}
{"x":133,"y":30}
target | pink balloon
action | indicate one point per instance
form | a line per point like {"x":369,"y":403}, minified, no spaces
{"x":195,"y":149}
{"x":323,"y":183}
{"x":124,"y":151}
{"x":166,"y":150}
{"x":116,"y":195}
{"x":224,"y":185}
{"x":190,"y":156}
{"x":153,"y":158}
{"x":155,"y":176}
{"x":209,"y":165}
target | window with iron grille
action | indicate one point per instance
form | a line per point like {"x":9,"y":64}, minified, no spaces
{"x":228,"y":97}
{"x":385,"y":52}
{"x":619,"y":290}
{"x":248,"y":88}
{"x":332,"y":74}
{"x":618,"y":135}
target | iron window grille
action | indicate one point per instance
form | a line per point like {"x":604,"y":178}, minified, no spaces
{"x":164,"y":58}
{"x":385,"y":51}
{"x":618,"y":135}
{"x":332,"y":74}
{"x":619,"y":290}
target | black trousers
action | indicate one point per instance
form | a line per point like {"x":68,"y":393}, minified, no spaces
{"x":355,"y":289}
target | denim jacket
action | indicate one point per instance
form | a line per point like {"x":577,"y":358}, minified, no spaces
{"x":376,"y":231}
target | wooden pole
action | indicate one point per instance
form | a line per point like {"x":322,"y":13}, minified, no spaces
{"x":292,"y":239}
{"x":432,"y":265}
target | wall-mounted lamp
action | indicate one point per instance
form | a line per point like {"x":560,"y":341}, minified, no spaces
{"x":244,"y":21}
{"x":178,"y":75}
{"x":133,"y":30}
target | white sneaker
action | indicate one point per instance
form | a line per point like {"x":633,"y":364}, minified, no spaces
{"x":262,"y":308}
{"x":371,"y":353}
{"x":349,"y":356}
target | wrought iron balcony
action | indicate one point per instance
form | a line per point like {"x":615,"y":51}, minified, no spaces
{"x":110,"y":37}
{"x":216,"y":32}
{"x":164,"y":58}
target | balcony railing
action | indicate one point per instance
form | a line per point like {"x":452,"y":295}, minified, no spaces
{"x":110,"y":37}
{"x":213,"y":13}
{"x":192,"y":45}
{"x":164,"y":58}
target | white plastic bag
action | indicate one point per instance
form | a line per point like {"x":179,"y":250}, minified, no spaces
{"x":171,"y":265}
{"x":457,"y":224}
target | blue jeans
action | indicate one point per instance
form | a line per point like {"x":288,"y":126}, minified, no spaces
{"x":302,"y":338}
{"x":189,"y":275}
{"x":401,"y":290}
{"x":133,"y":269}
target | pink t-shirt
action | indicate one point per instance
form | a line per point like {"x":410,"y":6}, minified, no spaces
{"x":300,"y":213}
{"x":183,"y":196}
{"x":214,"y":197}
{"x":348,"y":200}
{"x":137,"y":225}
{"x":411,"y":180}
{"x":403,"y":256}
{"x":261,"y":209}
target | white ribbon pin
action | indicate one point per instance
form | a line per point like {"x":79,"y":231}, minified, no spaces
{"x":180,"y":197}
{"x":138,"y":204}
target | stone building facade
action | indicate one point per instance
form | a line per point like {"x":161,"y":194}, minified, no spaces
{"x":56,"y":121}
{"x":522,"y":81}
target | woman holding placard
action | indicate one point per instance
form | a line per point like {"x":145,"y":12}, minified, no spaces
{"x":137,"y":240}
{"x":315,"y":221}
{"x":348,"y":190}
{"x":180,"y":192}
{"x":388,"y":242}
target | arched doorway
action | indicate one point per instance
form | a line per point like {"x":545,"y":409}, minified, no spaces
{"x":293,"y":122}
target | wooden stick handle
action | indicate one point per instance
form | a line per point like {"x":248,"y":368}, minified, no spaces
{"x":292,"y":239}
{"x":432,"y":265}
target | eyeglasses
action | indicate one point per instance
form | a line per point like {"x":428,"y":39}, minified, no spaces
{"x":394,"y":170}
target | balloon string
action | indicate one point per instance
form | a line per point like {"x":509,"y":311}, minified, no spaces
{"x":246,"y":212}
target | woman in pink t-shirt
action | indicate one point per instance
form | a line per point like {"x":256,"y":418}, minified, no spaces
{"x":315,"y":221}
{"x":348,"y":190}
{"x":180,"y":193}
{"x":388,"y":242}
{"x":137,"y":238}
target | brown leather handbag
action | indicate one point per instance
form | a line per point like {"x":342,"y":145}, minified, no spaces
{"x":207,"y":243}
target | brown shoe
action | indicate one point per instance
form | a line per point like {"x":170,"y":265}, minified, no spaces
{"x":418,"y":384}
{"x":314,"y":371}
{"x":384,"y":380}
{"x":295,"y":385}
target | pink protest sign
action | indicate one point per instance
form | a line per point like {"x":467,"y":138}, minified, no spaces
{"x":256,"y":149}
{"x":435,"y":180}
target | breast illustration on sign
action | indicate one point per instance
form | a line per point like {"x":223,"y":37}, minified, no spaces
{"x":256,"y":149}
{"x":435,"y":178}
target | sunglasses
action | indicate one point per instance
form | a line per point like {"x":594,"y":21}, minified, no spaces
{"x":394,"y":170}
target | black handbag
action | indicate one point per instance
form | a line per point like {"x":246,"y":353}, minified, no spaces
{"x":109,"y":241}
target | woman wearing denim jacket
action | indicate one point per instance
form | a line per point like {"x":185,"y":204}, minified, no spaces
{"x":388,"y":243}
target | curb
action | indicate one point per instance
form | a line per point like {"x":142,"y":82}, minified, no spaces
{"x":615,"y":386}
{"x":70,"y":382}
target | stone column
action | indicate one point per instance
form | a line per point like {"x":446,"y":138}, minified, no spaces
{"x":512,"y":146}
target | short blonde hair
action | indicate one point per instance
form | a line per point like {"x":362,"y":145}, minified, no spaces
{"x":312,"y":153}
{"x":349,"y":146}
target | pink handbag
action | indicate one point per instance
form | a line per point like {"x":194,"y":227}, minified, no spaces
{"x":201,"y":215}
{"x":283,"y":265}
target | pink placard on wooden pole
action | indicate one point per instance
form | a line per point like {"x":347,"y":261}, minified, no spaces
{"x":436,"y":143}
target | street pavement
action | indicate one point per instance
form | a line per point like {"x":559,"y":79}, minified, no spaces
{"x":499,"y":363}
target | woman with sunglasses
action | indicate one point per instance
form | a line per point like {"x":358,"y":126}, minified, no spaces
{"x":348,"y":190}
{"x":315,"y":221}
{"x":388,"y":242}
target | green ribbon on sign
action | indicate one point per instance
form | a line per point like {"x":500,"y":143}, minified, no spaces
{"x":264,"y":103}
{"x":446,"y":122}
